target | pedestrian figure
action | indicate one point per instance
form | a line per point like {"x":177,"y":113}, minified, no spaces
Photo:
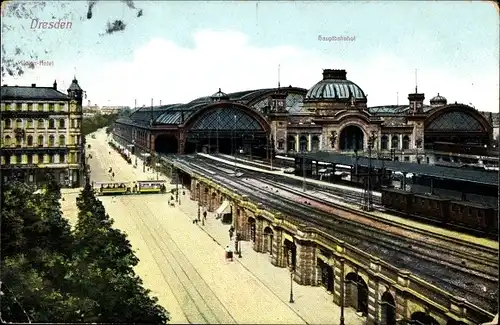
{"x":113,"y":175}
{"x":205,"y":215}
{"x":229,"y":253}
{"x":231,"y":231}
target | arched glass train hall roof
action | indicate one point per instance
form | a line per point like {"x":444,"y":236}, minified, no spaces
{"x":175,"y":114}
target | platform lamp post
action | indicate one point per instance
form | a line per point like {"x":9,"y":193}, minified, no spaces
{"x":291,"y":284}
{"x":342,"y":284}
{"x":199,"y":205}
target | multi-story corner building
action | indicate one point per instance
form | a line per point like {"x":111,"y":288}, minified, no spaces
{"x":41,"y":134}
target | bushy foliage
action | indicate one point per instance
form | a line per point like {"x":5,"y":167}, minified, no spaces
{"x":96,"y":122}
{"x":50,"y":273}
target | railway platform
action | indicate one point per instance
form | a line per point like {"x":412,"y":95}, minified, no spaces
{"x":377,"y":214}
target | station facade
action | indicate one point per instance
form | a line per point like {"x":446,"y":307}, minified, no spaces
{"x":333,"y":115}
{"x":379,"y":291}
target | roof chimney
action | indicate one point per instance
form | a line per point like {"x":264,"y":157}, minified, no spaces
{"x":5,"y":85}
{"x":33,"y":85}
{"x":54,"y":85}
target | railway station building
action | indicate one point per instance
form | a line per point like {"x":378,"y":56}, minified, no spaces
{"x":331,"y":116}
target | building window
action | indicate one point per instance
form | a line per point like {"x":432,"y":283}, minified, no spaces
{"x":40,"y":124}
{"x":30,"y":140}
{"x":18,"y":141}
{"x":62,"y":124}
{"x":384,"y":142}
{"x":61,"y":158}
{"x":52,"y":158}
{"x":7,"y":140}
{"x":30,"y":107}
{"x":57,"y":107}
{"x":30,"y":159}
{"x":19,"y":159}
{"x":51,"y":141}
{"x":8,"y":123}
{"x":407,"y":158}
{"x":395,"y":142}
{"x":62,"y":140}
{"x":19,"y":123}
{"x":51,"y":107}
{"x":40,"y":140}
{"x":406,"y":142}
{"x":39,"y":106}
{"x":280,"y":144}
{"x":52,"y":124}
{"x":29,"y":124}
{"x":35,"y":158}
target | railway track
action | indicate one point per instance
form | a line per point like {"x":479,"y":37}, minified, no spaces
{"x":435,"y":267}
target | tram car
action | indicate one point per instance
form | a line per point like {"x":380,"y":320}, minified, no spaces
{"x":150,"y":186}
{"x":111,"y":188}
{"x":459,"y":215}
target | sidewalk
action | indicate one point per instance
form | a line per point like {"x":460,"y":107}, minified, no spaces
{"x":313,"y":304}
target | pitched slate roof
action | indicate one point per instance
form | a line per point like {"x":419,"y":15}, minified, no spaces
{"x":31,"y":93}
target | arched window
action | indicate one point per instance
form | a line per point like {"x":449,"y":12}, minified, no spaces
{"x":395,"y":142}
{"x":303,"y":144}
{"x":29,"y":123}
{"x":51,"y":141}
{"x":384,"y":141}
{"x":40,"y":140}
{"x":62,"y":123}
{"x":40,"y":124}
{"x":30,"y":140}
{"x":8,"y":123}
{"x":19,"y":123}
{"x":19,"y":141}
{"x":315,"y":143}
{"x":406,"y":142}
{"x":62,"y":140}
{"x":52,"y":124}
{"x":7,"y":140}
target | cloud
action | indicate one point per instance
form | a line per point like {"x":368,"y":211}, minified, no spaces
{"x":165,"y":71}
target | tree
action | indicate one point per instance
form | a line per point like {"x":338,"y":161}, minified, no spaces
{"x":51,"y":274}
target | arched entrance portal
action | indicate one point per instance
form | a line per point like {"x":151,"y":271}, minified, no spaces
{"x":388,"y":309}
{"x":166,"y":143}
{"x":421,"y":318}
{"x":357,"y":292}
{"x":227,"y":130}
{"x":290,"y":252}
{"x":268,"y":240}
{"x":251,"y":229}
{"x":325,"y":275}
{"x":351,"y":138}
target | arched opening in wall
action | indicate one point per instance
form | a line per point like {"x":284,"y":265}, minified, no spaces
{"x":290,"y":143}
{"x":357,"y":292}
{"x":421,"y":318}
{"x":229,"y":129}
{"x":303,"y":143}
{"x":351,"y":138}
{"x":325,"y":275}
{"x":384,"y":142}
{"x":213,"y":201}
{"x":406,"y":142}
{"x":167,"y":144}
{"x":290,"y":252}
{"x":388,"y":306}
{"x":251,"y":229}
{"x":315,"y":143}
{"x":268,"y":240}
{"x":394,"y":142}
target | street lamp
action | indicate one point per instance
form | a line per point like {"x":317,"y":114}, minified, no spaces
{"x":158,"y":165}
{"x":291,"y":285}
{"x":303,"y":170}
{"x":238,"y":245}
{"x":342,"y":283}
{"x":199,"y":204}
{"x":145,"y":155}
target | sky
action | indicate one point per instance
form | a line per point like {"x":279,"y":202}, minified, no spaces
{"x":178,"y":51}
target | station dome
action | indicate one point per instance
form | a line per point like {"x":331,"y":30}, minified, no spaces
{"x":219,"y":96}
{"x":335,"y":86}
{"x":438,"y":100}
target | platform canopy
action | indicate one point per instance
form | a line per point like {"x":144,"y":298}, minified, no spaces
{"x":459,"y":174}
